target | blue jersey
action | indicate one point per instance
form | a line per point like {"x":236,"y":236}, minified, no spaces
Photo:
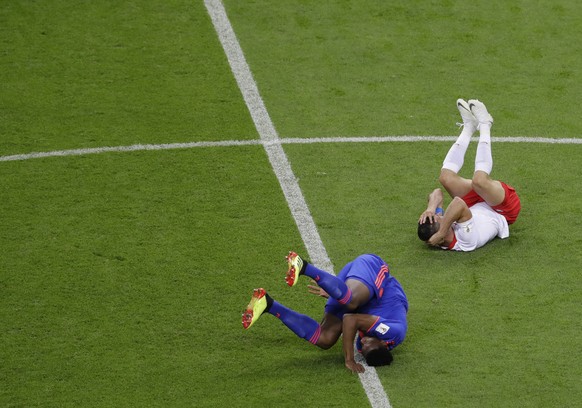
{"x":387,"y":300}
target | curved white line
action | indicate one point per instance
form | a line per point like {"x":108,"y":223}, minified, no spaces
{"x":227,"y":143}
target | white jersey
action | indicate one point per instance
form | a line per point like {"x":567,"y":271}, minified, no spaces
{"x":484,"y":225}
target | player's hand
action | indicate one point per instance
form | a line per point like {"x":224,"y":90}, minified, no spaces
{"x":427,"y":215}
{"x":314,"y":289}
{"x":355,"y":367}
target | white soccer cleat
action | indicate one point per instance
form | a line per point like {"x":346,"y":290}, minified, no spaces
{"x":468,"y":118}
{"x":479,"y":110}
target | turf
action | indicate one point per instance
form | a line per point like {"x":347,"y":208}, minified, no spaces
{"x":123,"y":275}
{"x":394,"y":67}
{"x":147,"y":72}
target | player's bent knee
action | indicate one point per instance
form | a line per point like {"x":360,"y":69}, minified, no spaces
{"x":446,"y":177}
{"x":326,"y":341}
{"x":481,"y":181}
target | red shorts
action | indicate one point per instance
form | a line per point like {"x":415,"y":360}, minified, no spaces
{"x":509,"y":208}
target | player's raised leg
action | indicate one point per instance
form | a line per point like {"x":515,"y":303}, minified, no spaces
{"x":335,"y":287}
{"x":302,"y":325}
{"x":456,"y":185}
{"x":491,"y":190}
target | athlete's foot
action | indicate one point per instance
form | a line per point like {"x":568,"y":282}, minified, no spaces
{"x":295,"y":268}
{"x":255,"y":308}
{"x":469,"y":120}
{"x":479,"y":110}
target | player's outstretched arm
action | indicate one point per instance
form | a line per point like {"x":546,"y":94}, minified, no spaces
{"x":350,"y":325}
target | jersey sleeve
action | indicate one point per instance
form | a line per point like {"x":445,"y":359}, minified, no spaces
{"x":390,"y":332}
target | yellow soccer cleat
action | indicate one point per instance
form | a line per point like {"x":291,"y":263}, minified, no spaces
{"x":295,"y":266}
{"x":255,"y":308}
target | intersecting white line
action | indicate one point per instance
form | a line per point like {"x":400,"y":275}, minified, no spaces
{"x":281,"y":166}
{"x":270,"y":140}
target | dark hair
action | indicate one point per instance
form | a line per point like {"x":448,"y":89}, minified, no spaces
{"x":379,"y":357}
{"x":427,"y":230}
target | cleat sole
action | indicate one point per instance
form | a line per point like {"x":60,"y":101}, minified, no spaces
{"x":254,"y":309}
{"x":292,"y":273}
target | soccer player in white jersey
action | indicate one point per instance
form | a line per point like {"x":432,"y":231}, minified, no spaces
{"x":482,"y":208}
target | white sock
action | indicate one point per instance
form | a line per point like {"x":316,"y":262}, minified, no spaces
{"x":484,"y":159}
{"x":456,"y":156}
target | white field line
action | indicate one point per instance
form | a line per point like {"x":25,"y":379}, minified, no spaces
{"x":268,"y":135}
{"x":132,"y":148}
{"x":299,"y":209}
{"x":228,"y":143}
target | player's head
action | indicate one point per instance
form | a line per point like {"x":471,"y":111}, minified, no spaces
{"x":376,"y":352}
{"x":427,"y":230}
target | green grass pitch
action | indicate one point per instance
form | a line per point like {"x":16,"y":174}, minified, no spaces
{"x":123,"y":274}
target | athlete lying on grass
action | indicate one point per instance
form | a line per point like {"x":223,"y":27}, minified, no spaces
{"x":364,"y":299}
{"x":482,"y":208}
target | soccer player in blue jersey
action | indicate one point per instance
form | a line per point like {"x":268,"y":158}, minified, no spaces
{"x":363,"y":300}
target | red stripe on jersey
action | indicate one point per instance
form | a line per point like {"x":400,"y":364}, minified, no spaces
{"x":381,"y":275}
